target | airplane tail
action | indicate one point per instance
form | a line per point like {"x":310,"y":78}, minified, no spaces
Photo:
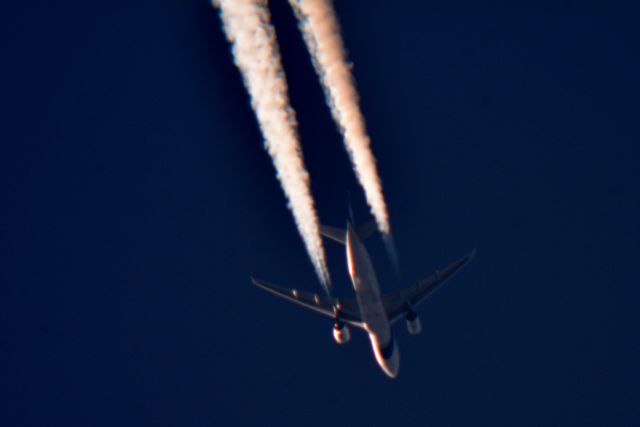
{"x":352,"y":219}
{"x":339,"y":235}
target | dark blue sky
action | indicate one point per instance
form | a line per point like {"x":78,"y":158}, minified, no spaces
{"x":137,"y":200}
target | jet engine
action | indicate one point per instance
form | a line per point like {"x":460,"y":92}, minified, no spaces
{"x":413,"y":323}
{"x":341,"y":333}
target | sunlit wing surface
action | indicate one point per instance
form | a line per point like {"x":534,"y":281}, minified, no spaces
{"x":398,"y":304}
{"x":348,"y":307}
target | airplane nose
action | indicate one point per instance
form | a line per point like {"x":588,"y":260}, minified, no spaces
{"x":387,"y":356}
{"x":391,"y":366}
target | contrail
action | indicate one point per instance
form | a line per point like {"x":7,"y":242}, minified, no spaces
{"x":321,"y":32}
{"x":255,"y":50}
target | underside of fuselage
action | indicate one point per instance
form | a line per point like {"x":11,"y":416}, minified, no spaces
{"x":372,"y":312}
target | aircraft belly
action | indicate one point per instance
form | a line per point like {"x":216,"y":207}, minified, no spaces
{"x":367,"y":290}
{"x":372,"y":313}
{"x":365,"y":284}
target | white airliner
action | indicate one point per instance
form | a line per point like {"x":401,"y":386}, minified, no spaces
{"x":370,"y":311}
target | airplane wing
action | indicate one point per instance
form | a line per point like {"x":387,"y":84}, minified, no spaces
{"x":397,"y":304}
{"x":349,"y":311}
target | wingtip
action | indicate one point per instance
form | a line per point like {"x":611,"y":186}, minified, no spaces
{"x":473,"y":253}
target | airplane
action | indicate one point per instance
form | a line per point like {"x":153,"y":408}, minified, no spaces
{"x":370,"y":311}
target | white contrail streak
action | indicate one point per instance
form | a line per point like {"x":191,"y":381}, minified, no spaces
{"x":255,"y":51}
{"x":321,"y":32}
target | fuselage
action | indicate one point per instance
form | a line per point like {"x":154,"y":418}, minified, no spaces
{"x":374,"y":316}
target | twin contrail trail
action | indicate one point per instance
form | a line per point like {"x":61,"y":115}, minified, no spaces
{"x":321,"y":32}
{"x":255,"y":50}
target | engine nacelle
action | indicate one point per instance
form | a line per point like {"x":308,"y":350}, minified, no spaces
{"x":341,"y":333}
{"x":413,"y":323}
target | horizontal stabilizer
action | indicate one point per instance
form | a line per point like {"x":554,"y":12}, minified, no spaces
{"x":333,"y":233}
{"x":367,"y":230}
{"x":339,"y":235}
